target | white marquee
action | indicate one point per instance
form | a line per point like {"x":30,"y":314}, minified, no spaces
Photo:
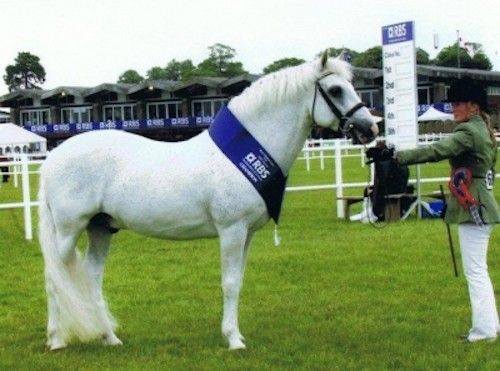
{"x":15,"y":139}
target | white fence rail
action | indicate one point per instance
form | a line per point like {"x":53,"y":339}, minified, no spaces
{"x":20,"y":166}
{"x":339,"y":149}
{"x":342,"y":148}
{"x":322,"y":149}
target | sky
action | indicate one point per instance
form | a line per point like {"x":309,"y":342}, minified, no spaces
{"x":86,"y":43}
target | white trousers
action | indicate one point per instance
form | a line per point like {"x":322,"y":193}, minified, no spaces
{"x":474,"y":247}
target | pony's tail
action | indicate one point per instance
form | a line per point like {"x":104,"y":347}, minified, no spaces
{"x":73,"y":309}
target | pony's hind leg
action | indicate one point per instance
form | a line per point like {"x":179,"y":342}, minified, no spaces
{"x":232,"y":243}
{"x":73,"y":311}
{"x":54,"y":339}
{"x":99,"y":242}
{"x":57,"y":334}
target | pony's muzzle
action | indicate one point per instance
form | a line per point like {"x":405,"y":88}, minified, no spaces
{"x":362,"y":133}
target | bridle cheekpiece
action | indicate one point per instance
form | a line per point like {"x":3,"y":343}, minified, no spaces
{"x":343,"y":118}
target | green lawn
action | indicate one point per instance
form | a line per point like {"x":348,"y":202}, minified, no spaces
{"x":334,"y":295}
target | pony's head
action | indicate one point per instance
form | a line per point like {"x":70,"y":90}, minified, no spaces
{"x":336,"y":104}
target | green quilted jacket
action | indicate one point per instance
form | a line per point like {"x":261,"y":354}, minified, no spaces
{"x":469,"y":146}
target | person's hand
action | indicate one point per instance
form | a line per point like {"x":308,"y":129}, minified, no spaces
{"x":381,"y":153}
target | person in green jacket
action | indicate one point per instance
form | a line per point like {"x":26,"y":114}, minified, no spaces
{"x":471,"y":150}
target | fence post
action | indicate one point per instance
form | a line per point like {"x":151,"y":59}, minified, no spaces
{"x":362,"y":155}
{"x":308,"y":162}
{"x":321,"y":154}
{"x":419,"y":202}
{"x":25,"y":179}
{"x":338,"y":179}
{"x":15,"y":171}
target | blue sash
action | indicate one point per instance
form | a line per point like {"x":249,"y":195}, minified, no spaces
{"x":250,"y":158}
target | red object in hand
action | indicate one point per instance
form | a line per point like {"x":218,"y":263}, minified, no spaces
{"x":461,"y":179}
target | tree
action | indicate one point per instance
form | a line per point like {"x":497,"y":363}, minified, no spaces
{"x":422,"y":57}
{"x":481,"y":62}
{"x":448,"y":57}
{"x":221,"y":55}
{"x":370,"y":58}
{"x":219,"y":63}
{"x":130,"y":77}
{"x":206,"y":68}
{"x":282,"y":63}
{"x":479,"y":59}
{"x":179,"y":70}
{"x":156,"y":73}
{"x":25,"y":73}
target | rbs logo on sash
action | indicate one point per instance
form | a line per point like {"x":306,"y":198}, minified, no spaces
{"x":252,"y":159}
{"x":398,"y":30}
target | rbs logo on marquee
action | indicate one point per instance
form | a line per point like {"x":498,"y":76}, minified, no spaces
{"x":398,"y":30}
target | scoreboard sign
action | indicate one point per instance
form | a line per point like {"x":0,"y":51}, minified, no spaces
{"x":400,"y":85}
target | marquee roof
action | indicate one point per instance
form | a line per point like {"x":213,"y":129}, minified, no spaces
{"x":13,"y":135}
{"x":433,"y":114}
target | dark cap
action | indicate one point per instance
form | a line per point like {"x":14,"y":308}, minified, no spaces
{"x":466,"y":89}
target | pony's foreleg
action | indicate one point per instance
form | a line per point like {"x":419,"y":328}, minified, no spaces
{"x":99,"y":241}
{"x":232,"y":243}
{"x":245,"y":250}
{"x":244,"y":262}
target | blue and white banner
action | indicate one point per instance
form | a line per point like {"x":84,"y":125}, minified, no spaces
{"x":55,"y":129}
{"x":251,"y":159}
{"x":181,"y":122}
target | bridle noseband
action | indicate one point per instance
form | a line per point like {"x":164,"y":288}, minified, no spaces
{"x":342,"y":118}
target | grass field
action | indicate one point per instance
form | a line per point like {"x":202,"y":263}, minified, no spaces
{"x":334,"y":295}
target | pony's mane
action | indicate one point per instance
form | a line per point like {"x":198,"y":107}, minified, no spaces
{"x":285,"y":85}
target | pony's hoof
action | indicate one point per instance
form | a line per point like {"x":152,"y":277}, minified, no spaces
{"x":56,"y":344}
{"x":111,"y":340}
{"x":237,"y":345}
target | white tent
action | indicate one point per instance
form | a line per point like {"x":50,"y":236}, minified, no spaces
{"x":433,"y":114}
{"x":4,"y":116}
{"x":15,"y":139}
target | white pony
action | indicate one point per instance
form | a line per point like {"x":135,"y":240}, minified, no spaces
{"x":109,"y":180}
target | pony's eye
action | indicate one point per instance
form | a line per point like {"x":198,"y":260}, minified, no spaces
{"x":335,"y":91}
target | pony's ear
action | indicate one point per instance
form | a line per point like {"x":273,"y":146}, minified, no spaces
{"x":324,"y":58}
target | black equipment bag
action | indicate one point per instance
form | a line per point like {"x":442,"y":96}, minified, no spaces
{"x":390,"y":178}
